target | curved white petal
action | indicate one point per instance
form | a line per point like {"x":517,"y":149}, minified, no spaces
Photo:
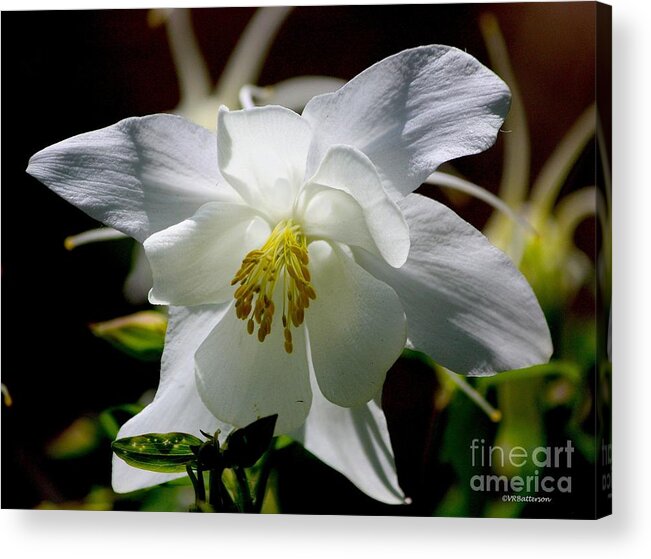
{"x":177,"y":406}
{"x":139,"y":176}
{"x":347,"y":169}
{"x":262,"y":153}
{"x":194,"y":261}
{"x":467,"y":305}
{"x":356,"y":443}
{"x":411,"y":112}
{"x":334,"y":215}
{"x":356,"y":327}
{"x":241,"y":379}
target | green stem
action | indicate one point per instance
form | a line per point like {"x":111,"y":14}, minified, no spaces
{"x":216,"y":498}
{"x":220,"y":499}
{"x":263,"y":478}
{"x":199,"y":487}
{"x":555,"y":170}
{"x":245,"y":490}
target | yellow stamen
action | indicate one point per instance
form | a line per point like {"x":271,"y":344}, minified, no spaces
{"x":283,"y":255}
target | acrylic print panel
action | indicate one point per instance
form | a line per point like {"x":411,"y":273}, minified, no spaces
{"x":314,"y":279}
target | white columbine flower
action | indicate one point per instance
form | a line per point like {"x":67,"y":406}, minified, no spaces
{"x":296,"y":262}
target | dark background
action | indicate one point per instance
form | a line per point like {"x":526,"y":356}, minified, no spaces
{"x":68,"y":72}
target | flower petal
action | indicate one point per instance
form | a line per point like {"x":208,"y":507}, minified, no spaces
{"x":194,"y":261}
{"x":356,"y":327}
{"x":334,"y":215}
{"x":139,"y":176}
{"x":241,"y":380}
{"x":347,"y":169}
{"x":467,"y":305}
{"x":355,"y":442}
{"x":262,"y":153}
{"x":177,"y":406}
{"x":411,"y":112}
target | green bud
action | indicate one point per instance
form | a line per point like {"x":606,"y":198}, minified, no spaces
{"x":141,"y":335}
{"x":157,"y":452}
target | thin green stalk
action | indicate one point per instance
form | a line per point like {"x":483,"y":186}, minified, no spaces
{"x":263,"y":478}
{"x":217,"y":494}
{"x":574,"y":208}
{"x":245,"y":490}
{"x":198,"y":486}
{"x":555,"y":170}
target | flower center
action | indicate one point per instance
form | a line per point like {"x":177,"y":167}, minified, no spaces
{"x":284,"y":256}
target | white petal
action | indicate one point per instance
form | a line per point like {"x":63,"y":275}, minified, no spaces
{"x":139,"y":175}
{"x":347,"y":169}
{"x":334,"y":215}
{"x":355,"y":442}
{"x":262,"y":153}
{"x":467,"y":305}
{"x":177,"y":406}
{"x":411,"y":112}
{"x":241,"y":379}
{"x":356,"y":327}
{"x":194,"y":262}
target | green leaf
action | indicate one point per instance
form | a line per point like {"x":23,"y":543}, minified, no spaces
{"x":245,"y":446}
{"x":157,"y":452}
{"x":141,"y":335}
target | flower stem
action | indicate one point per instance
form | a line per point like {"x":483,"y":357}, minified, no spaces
{"x":555,"y":170}
{"x":245,"y":491}
{"x":199,"y":488}
{"x":218,"y":498}
{"x":263,"y":478}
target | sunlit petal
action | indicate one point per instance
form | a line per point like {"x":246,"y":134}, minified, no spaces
{"x":137,"y":176}
{"x":356,"y":327}
{"x":467,"y":305}
{"x":411,"y":112}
